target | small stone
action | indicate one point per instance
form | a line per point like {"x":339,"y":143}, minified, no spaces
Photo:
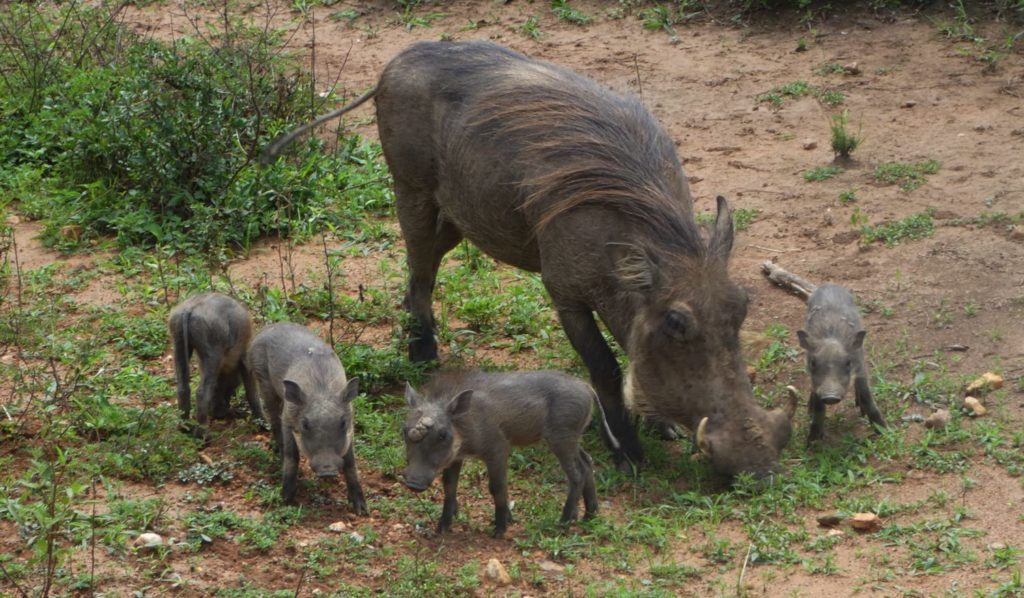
{"x":988,"y":381}
{"x":551,"y":567}
{"x":866,"y":522}
{"x":975,"y":406}
{"x":851,"y":68}
{"x":937,"y":420}
{"x":147,"y":542}
{"x":357,"y":537}
{"x":996,"y":546}
{"x":832,"y":533}
{"x":830,"y":520}
{"x":908,"y":104}
{"x":810,"y":144}
{"x":338,"y":526}
{"x":497,"y":573}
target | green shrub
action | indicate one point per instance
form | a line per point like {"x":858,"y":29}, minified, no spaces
{"x":156,"y":144}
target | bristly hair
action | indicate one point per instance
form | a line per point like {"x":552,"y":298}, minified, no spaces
{"x":583,"y":145}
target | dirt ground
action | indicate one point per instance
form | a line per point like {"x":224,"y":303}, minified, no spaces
{"x":913,"y":94}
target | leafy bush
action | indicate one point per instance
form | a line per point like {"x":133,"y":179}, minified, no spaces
{"x":155,"y":143}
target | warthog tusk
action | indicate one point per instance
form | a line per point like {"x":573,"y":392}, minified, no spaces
{"x":792,"y":401}
{"x":702,"y":442}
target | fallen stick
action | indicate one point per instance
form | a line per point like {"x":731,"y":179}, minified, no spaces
{"x":788,"y":280}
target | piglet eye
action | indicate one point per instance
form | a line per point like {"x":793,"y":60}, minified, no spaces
{"x":342,"y":423}
{"x":442,"y":435}
{"x":305,"y":425}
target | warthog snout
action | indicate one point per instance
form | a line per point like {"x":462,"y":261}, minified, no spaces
{"x":831,"y":399}
{"x":326,"y":472}
{"x":417,"y":485}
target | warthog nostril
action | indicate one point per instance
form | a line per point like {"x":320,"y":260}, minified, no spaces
{"x":830,"y":399}
{"x":327,"y":473}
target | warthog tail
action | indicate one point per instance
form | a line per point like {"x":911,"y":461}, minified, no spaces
{"x":274,"y":148}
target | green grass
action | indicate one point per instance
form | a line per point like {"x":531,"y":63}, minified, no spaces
{"x":844,"y":142}
{"x":531,"y":28}
{"x":908,"y":176}
{"x":567,"y":13}
{"x":777,"y":96}
{"x":821,"y":173}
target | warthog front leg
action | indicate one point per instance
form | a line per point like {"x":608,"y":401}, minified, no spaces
{"x":352,"y":485}
{"x":862,"y":393}
{"x":606,"y":377}
{"x":816,"y":409}
{"x":289,"y":466}
{"x":450,"y":480}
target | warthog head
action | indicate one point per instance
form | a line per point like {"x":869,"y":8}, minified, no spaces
{"x":322,"y":422}
{"x":830,"y":361}
{"x":684,"y":349}
{"x":431,"y":439}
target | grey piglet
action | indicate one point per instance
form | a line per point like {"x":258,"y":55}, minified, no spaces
{"x":217,"y":328}
{"x":833,"y":337}
{"x":308,"y":401}
{"x":483,"y":415}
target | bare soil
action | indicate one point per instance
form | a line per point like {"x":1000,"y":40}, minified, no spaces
{"x":916,"y":95}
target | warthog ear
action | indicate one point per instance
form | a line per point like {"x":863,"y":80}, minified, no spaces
{"x":412,"y":398}
{"x":858,"y":340}
{"x":633,"y":266}
{"x":292,"y":392}
{"x":460,"y":404}
{"x":720,"y":243}
{"x":805,"y":340}
{"x":350,"y":392}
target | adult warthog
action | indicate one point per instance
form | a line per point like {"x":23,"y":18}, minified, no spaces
{"x":546,"y":170}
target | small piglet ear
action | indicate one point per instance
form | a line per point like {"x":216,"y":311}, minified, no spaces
{"x":460,"y":404}
{"x":350,"y":392}
{"x":292,"y":392}
{"x":858,"y":339}
{"x":805,"y":341}
{"x":411,"y":398}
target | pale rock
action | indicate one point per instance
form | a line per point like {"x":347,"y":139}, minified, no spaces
{"x":866,"y":522}
{"x":832,"y":533}
{"x":975,"y":406}
{"x":908,"y":104}
{"x":357,"y":537}
{"x":988,"y":381}
{"x":551,"y":567}
{"x":147,"y":542}
{"x":496,"y":572}
{"x":810,"y":144}
{"x":338,"y":526}
{"x":937,"y":420}
{"x":851,"y":69}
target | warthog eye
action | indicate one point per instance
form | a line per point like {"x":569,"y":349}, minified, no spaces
{"x":442,"y":435}
{"x":813,"y":362}
{"x":342,"y":423}
{"x":679,"y":324}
